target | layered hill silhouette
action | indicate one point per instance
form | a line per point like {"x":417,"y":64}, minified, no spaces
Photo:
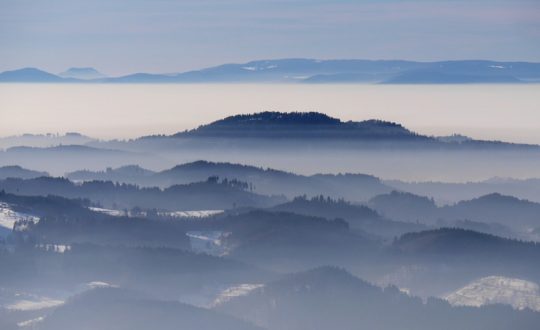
{"x":16,"y":171}
{"x":493,"y":213}
{"x":449,"y":258}
{"x":358,"y":217}
{"x":306,"y":300}
{"x":43,"y":140}
{"x":492,"y":208}
{"x":264,"y":181}
{"x":287,"y":140}
{"x":207,"y":195}
{"x":283,"y":240}
{"x":447,"y":192}
{"x":463,"y":243}
{"x":495,"y":207}
{"x":128,"y":310}
{"x":68,"y":221}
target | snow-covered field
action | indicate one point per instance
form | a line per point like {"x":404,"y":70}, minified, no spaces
{"x":212,"y":295}
{"x":210,"y":242}
{"x":29,"y":324}
{"x":99,"y":284}
{"x":235,"y":291}
{"x":114,"y":213}
{"x":191,"y":214}
{"x":8,"y":217}
{"x":58,"y":248}
{"x":41,"y":303}
{"x":518,"y":293}
{"x":173,"y":214}
{"x":34,"y":303}
{"x":26,"y":301}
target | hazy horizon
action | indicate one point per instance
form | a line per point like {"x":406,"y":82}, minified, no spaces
{"x":494,"y":112}
{"x":122,"y":36}
{"x":279,"y":217}
{"x":135,"y":70}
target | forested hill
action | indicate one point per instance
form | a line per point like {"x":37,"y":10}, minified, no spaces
{"x":300,"y":125}
{"x":307,"y":300}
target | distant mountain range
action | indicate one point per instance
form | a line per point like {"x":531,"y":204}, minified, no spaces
{"x":43,"y":140}
{"x":16,"y":171}
{"x":310,"y":71}
{"x":82,"y":74}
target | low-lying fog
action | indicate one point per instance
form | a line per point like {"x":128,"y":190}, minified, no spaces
{"x":504,"y":112}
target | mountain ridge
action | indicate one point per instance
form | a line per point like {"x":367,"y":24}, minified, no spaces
{"x":86,"y":73}
{"x":304,"y":70}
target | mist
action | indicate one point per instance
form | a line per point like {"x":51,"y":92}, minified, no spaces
{"x":494,"y":112}
{"x":269,"y":165}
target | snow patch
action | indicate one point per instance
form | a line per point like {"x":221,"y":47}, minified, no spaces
{"x":34,"y":304}
{"x":210,"y":242}
{"x":99,"y":284}
{"x":30,"y":323}
{"x":520,"y":294}
{"x":235,"y":291}
{"x":191,"y":214}
{"x":58,"y":248}
{"x":259,"y":68}
{"x":111,"y":212}
{"x":8,"y":217}
{"x":405,"y":291}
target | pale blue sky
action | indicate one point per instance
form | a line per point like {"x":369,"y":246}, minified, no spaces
{"x":124,"y":36}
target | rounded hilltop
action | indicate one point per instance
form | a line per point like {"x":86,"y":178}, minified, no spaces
{"x":275,"y":117}
{"x":272,"y":124}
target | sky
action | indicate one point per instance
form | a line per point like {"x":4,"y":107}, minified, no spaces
{"x":125,"y":36}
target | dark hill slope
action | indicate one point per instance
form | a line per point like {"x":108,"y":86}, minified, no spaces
{"x":451,"y":257}
{"x":356,"y":187}
{"x":307,"y":300}
{"x":284,"y":241}
{"x":499,"y":208}
{"x":119,"y":309}
{"x":300,"y":125}
{"x":208,"y":195}
{"x":358,"y":216}
{"x":16,"y":171}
